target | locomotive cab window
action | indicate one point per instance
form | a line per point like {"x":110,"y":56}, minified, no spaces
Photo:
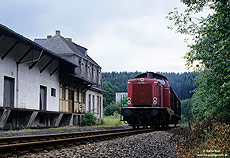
{"x":161,"y":81}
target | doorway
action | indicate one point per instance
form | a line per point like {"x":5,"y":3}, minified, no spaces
{"x":8,"y":100}
{"x":71,"y":101}
{"x":43,"y":97}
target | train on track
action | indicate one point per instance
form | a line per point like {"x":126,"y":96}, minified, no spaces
{"x":151,"y":102}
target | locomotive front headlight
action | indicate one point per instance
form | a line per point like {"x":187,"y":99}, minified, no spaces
{"x":155,"y":100}
{"x":128,"y":100}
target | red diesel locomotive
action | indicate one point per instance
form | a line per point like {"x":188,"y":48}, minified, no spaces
{"x":151,"y":102}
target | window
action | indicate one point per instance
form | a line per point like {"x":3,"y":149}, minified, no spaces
{"x":100,"y":110}
{"x":53,"y":92}
{"x":89,"y":103}
{"x":77,"y":95}
{"x":63,"y":93}
{"x":98,"y":105}
{"x":92,"y":73}
{"x":97,"y":77}
{"x":83,"y":97}
{"x":86,"y":70}
{"x":93,"y":104}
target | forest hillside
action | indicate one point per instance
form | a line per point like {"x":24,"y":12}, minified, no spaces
{"x":182,"y":83}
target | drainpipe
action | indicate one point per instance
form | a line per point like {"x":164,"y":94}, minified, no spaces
{"x":17,"y":81}
{"x":17,"y":87}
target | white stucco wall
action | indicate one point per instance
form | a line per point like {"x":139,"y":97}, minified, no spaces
{"x":29,"y":81}
{"x":7,"y":68}
{"x":99,"y":114}
{"x":29,"y":88}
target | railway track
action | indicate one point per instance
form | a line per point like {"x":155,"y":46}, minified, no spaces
{"x":24,"y":144}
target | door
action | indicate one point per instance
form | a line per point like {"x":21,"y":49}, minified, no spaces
{"x":43,"y":97}
{"x":71,"y":101}
{"x":8,"y":100}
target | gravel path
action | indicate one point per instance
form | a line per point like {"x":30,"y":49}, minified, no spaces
{"x":155,"y":144}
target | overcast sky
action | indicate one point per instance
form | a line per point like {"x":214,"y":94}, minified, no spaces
{"x":121,"y":35}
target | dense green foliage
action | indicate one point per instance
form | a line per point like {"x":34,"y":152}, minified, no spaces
{"x":113,"y":120}
{"x":89,"y":119}
{"x":110,"y":93}
{"x":209,"y":53}
{"x":119,"y":79}
{"x":182,"y":83}
{"x":111,"y":108}
{"x":186,"y":110}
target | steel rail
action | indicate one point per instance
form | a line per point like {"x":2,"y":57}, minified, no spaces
{"x":23,"y":147}
{"x":12,"y":140}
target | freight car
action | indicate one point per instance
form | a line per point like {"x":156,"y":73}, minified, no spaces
{"x":151,"y":102}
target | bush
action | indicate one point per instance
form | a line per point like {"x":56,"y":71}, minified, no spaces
{"x":113,"y":107}
{"x":208,"y":138}
{"x":89,"y":119}
{"x":113,"y":120}
{"x":186,"y":110}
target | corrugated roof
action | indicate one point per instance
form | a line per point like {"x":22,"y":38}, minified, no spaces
{"x":8,"y":32}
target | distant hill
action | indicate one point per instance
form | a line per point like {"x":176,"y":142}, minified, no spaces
{"x":182,"y":83}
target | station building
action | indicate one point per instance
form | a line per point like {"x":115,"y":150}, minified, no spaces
{"x":44,"y":87}
{"x":90,"y":97}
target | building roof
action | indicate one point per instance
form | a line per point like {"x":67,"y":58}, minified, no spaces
{"x":40,"y":41}
{"x":10,"y":33}
{"x":64,"y":46}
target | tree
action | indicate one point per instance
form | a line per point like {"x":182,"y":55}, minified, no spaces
{"x":209,"y":54}
{"x":111,"y":108}
{"x":186,"y":110}
{"x":110,"y":93}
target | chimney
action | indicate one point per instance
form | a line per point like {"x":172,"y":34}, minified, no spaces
{"x":58,"y":32}
{"x":49,"y":36}
{"x":69,"y":39}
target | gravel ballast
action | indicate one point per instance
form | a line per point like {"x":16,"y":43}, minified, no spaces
{"x":58,"y":130}
{"x":154,"y":144}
